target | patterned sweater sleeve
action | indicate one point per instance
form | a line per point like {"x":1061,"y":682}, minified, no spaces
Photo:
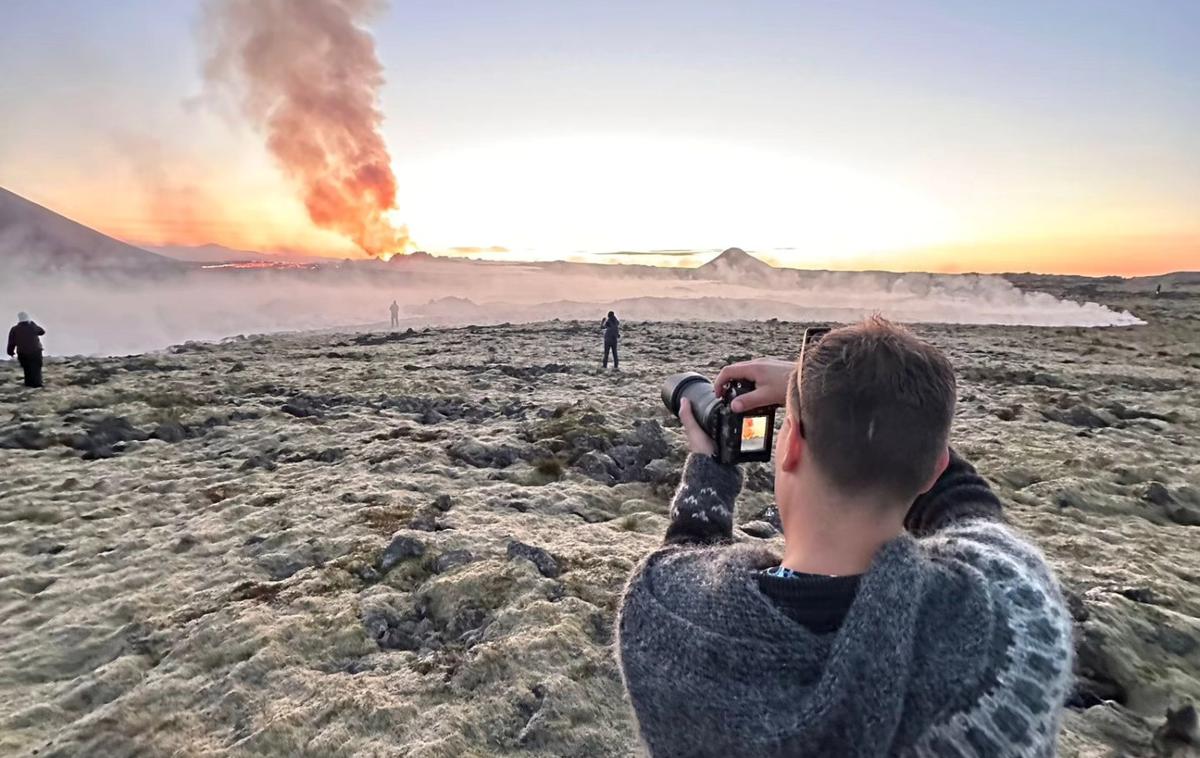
{"x":960,"y":493}
{"x":702,"y":511}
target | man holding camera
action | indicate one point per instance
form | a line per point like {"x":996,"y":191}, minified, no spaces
{"x":903,"y":618}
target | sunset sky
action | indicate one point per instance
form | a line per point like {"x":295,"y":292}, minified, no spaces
{"x":1056,"y":137}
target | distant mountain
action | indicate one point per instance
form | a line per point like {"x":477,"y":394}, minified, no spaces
{"x":735,"y":264}
{"x":36,"y":240}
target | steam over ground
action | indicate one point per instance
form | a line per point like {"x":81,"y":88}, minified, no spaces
{"x":107,"y":317}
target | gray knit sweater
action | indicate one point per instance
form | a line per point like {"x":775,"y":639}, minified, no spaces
{"x":958,"y":642}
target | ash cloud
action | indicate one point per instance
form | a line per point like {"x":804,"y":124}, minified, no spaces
{"x":307,"y":75}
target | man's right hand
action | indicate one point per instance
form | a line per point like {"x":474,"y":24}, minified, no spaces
{"x":770,"y":377}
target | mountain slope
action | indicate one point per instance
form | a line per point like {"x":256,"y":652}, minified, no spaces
{"x":209,"y":253}
{"x":735,"y":264}
{"x":36,"y":240}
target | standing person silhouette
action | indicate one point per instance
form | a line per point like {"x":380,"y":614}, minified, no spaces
{"x":395,"y":309}
{"x":612,"y":334}
{"x":23,"y":339}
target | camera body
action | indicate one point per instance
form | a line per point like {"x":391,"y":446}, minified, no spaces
{"x":738,"y":437}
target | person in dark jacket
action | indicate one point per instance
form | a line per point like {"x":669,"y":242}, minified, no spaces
{"x":24,"y":340}
{"x":904,"y":617}
{"x":612,"y":334}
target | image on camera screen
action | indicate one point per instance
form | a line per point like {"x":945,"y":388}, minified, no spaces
{"x":754,"y":434}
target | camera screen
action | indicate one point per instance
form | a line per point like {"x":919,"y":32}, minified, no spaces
{"x":754,"y":434}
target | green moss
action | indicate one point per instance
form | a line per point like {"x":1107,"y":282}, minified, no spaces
{"x":551,"y":467}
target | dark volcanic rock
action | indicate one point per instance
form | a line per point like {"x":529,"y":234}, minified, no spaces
{"x":1076,"y":605}
{"x":545,"y":562}
{"x":400,"y":549}
{"x":1078,"y":415}
{"x":759,"y":529}
{"x":258,"y":461}
{"x":301,"y":407}
{"x":1179,"y":735}
{"x":598,"y":466}
{"x":1139,"y":594}
{"x":662,"y":471}
{"x":452,"y":559}
{"x":1096,"y":679}
{"x":770,"y":514}
{"x":1158,"y":494}
{"x":170,"y":431}
{"x":382,"y":339}
{"x":532,"y":372}
{"x":759,"y":477}
{"x":1007,"y":413}
{"x":281,"y":565}
{"x":425,"y":520}
{"x":104,"y":437}
{"x":1128,"y":414}
{"x":330,"y":455}
{"x":24,"y":437}
{"x":185,"y":543}
{"x":395,"y":631}
{"x":43,"y":546}
{"x":649,"y":437}
{"x":628,"y":461}
{"x":481,"y":455}
{"x":1184,"y":515}
{"x":435,"y":410}
{"x":430,"y":417}
{"x":443,"y":503}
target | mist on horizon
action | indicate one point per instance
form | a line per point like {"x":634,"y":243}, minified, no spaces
{"x":102,"y":316}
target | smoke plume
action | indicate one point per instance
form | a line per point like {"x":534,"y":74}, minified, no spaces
{"x":306,"y":74}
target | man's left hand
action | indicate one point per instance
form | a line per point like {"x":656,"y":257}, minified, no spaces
{"x":698,"y":442}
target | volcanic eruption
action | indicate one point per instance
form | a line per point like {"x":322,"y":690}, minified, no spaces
{"x":307,"y":75}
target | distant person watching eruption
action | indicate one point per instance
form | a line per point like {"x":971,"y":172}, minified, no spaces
{"x":904,"y":617}
{"x":24,"y":339}
{"x":395,"y":309}
{"x":612,"y":334}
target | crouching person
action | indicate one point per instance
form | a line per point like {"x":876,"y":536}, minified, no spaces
{"x":904,"y":616}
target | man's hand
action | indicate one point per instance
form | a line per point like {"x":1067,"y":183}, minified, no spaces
{"x":770,"y":377}
{"x":698,"y":441}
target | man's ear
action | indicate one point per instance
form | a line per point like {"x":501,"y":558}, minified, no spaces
{"x":793,"y":445}
{"x":940,"y":468}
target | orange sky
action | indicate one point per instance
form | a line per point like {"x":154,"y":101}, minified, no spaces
{"x":868,"y":134}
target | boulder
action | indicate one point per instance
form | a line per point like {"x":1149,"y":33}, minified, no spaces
{"x":1179,"y":735}
{"x":400,"y":549}
{"x":301,"y":407}
{"x":481,"y":455}
{"x":542,"y":559}
{"x":598,"y":466}
{"x":170,"y":431}
{"x":1158,"y":494}
{"x":105,"y":437}
{"x":452,"y":559}
{"x":24,"y":437}
{"x":760,"y":529}
{"x":1079,"y":415}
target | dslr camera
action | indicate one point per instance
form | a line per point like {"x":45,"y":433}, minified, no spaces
{"x":738,"y":437}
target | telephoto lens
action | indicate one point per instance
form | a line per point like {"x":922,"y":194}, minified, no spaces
{"x":699,"y":392}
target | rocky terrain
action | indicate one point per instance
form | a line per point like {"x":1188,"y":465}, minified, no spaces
{"x":412,"y":543}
